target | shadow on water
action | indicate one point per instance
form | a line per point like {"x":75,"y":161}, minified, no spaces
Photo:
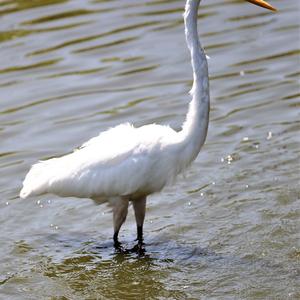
{"x":95,"y":269}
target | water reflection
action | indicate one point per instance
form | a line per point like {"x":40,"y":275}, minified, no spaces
{"x":96,"y":270}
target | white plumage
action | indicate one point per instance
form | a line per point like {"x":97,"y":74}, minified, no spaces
{"x":121,"y":161}
{"x":126,"y":163}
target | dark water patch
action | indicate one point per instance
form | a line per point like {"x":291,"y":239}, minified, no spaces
{"x":106,"y":45}
{"x":271,"y":57}
{"x":78,"y":73}
{"x":41,"y":64}
{"x":63,"y":15}
{"x":20,"y":5}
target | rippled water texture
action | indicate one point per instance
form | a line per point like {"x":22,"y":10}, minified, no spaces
{"x":229,"y":228}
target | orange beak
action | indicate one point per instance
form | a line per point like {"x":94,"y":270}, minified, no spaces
{"x":262,"y":3}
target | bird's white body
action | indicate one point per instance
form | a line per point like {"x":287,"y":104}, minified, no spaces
{"x":122,"y":161}
{"x":129,"y":161}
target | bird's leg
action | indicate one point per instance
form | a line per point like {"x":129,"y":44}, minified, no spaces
{"x":139,"y":206}
{"x":140,"y":233}
{"x":120,"y":210}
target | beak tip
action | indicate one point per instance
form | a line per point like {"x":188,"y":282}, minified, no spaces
{"x":263,"y":4}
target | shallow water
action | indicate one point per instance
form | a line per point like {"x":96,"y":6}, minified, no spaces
{"x":229,"y":228}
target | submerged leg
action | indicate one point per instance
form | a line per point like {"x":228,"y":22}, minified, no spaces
{"x":139,"y":206}
{"x":120,"y":210}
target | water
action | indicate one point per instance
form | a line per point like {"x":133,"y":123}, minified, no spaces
{"x":229,"y":228}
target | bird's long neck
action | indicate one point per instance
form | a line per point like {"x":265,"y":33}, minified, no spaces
{"x":194,"y":129}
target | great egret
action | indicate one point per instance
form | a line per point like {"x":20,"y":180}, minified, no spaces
{"x":126,"y":163}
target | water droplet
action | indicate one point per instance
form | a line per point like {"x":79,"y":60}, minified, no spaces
{"x":247,"y":186}
{"x":51,"y":225}
{"x":213,"y":183}
{"x":56,"y":227}
{"x":242,"y":73}
{"x":201,"y":194}
{"x":256,"y":146}
{"x":245,"y":139}
{"x":229,"y":159}
{"x":41,"y":206}
{"x":49,"y":201}
{"x":222,"y":159}
{"x":189,"y":204}
{"x":269,"y":135}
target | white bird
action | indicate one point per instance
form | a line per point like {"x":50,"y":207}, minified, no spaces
{"x":126,"y":163}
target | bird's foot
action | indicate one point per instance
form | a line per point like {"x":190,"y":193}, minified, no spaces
{"x":139,"y":248}
{"x":119,"y":248}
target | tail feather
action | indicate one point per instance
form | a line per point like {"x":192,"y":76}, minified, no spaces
{"x":37,"y":179}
